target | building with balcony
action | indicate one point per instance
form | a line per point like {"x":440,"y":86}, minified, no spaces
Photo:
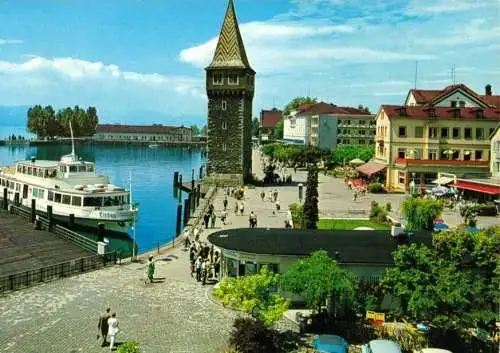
{"x":143,"y":133}
{"x":454,"y":96}
{"x":268,"y":121}
{"x":326,"y":125}
{"x":417,"y":142}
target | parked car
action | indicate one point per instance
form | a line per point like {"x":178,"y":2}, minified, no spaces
{"x":433,"y":350}
{"x":330,"y":344}
{"x":381,"y":346}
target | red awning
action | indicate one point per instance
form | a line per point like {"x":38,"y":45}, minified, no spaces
{"x":479,"y":187}
{"x":371,"y":168}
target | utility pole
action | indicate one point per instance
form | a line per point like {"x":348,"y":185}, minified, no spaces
{"x":416,"y":74}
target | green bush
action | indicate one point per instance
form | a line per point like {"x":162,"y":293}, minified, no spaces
{"x":129,"y":347}
{"x":487,"y":209}
{"x":251,"y":336}
{"x":388,"y":207}
{"x":378,"y":213}
{"x":376,"y":188}
{"x":297,"y":211}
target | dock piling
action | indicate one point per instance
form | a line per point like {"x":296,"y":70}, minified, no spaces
{"x":33,"y":210}
{"x":50,"y":218}
{"x":198,"y":195}
{"x":178,"y":220}
{"x":100,"y":232}
{"x":16,"y":199}
{"x":5,"y":200}
{"x":71,"y":223}
{"x":186,"y":211}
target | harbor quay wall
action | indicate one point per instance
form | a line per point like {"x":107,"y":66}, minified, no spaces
{"x":84,"y":140}
{"x":191,"y":230}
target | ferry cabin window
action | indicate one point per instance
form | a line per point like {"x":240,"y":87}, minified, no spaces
{"x":24,"y":169}
{"x":19,"y":169}
{"x":57,"y":197}
{"x":40,"y":172}
{"x":92,"y":201}
{"x":62,"y":168}
{"x":73,"y":168}
{"x":11,"y":185}
{"x":29,"y":170}
{"x":35,"y":170}
{"x":18,"y":187}
{"x":41,"y":193}
{"x":76,"y":200}
{"x":81,"y":168}
{"x":66,"y":199}
{"x":111,"y":201}
{"x":90,"y":167}
{"x":35,"y":192}
{"x":50,"y":196}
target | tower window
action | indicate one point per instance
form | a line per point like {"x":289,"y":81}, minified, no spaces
{"x":232,"y":79}
{"x":218,"y":79}
{"x":224,"y":125}
{"x":223,"y":105}
{"x":224,"y":147}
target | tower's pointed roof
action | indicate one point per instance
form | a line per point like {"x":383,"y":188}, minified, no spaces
{"x":230,"y":50}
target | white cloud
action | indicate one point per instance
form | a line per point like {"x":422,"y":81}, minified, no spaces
{"x":10,"y":41}
{"x":474,"y":31}
{"x":436,"y":7}
{"x":69,"y":81}
{"x":274,"y":47}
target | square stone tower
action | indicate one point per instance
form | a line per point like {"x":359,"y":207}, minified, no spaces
{"x":230,"y":89}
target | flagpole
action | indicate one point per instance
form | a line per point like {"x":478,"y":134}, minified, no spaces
{"x":133,"y":222}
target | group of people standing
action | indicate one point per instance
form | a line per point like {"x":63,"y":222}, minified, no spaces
{"x":204,"y":262}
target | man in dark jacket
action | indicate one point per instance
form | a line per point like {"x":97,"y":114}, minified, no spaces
{"x":102,"y":326}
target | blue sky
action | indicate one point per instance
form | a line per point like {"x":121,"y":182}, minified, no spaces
{"x":142,"y":60}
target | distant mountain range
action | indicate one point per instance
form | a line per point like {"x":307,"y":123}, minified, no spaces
{"x":17,"y":115}
{"x":13,"y":115}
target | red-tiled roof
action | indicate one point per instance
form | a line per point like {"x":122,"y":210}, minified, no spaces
{"x":269,"y":118}
{"x":425,"y":96}
{"x":492,"y":100}
{"x":327,"y":108}
{"x":429,"y":96}
{"x":139,"y":129}
{"x":441,"y":113}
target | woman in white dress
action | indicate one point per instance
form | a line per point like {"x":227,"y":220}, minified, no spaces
{"x":112,"y":330}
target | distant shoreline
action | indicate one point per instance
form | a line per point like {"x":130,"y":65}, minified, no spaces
{"x":91,"y":141}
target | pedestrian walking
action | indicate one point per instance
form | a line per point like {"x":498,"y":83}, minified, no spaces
{"x":270,"y":196}
{"x":102,"y":326}
{"x":225,"y":203}
{"x":197,"y":265}
{"x":355,"y":195}
{"x":275,"y":195}
{"x":278,"y":205}
{"x":206,"y":219}
{"x":236,"y":208}
{"x":150,"y":270}
{"x":242,"y":208}
{"x":252,"y":220}
{"x":223,"y":217}
{"x":216,"y":264}
{"x":214,"y":217}
{"x":349,"y":185}
{"x":112,"y":330}
{"x":262,"y":195}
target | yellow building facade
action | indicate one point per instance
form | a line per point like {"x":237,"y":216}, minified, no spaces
{"x":418,"y":142}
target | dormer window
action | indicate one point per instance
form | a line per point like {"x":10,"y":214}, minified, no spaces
{"x":232,"y":79}
{"x":402,"y":111}
{"x":453,"y":104}
{"x":218,"y":79}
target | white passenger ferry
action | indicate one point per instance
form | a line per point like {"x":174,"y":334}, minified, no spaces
{"x":70,"y":186}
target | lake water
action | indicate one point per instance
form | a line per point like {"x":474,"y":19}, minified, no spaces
{"x":152,"y":179}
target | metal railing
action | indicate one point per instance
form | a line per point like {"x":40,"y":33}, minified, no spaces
{"x":48,"y":273}
{"x":76,"y":239}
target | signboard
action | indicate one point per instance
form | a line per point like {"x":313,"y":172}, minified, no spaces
{"x":375,"y":318}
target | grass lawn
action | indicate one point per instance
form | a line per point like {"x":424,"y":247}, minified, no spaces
{"x":347,"y":224}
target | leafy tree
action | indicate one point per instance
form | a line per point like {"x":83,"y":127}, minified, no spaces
{"x":437,"y":285}
{"x":311,"y":201}
{"x":45,"y":122}
{"x":204,"y":130}
{"x":316,"y":278}
{"x":277,"y":132}
{"x":293,"y":154}
{"x":419,"y":214}
{"x":469,"y":215}
{"x":296,"y":103}
{"x":249,"y":292}
{"x":195,"y":130}
{"x":255,"y":127}
{"x":344,"y":154}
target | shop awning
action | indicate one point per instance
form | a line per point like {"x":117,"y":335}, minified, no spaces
{"x":479,"y":187}
{"x":443,"y":180}
{"x":371,"y":168}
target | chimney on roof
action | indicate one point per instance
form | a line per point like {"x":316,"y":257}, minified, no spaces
{"x":487,"y":90}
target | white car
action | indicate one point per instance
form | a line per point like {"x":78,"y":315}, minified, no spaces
{"x":433,"y":350}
